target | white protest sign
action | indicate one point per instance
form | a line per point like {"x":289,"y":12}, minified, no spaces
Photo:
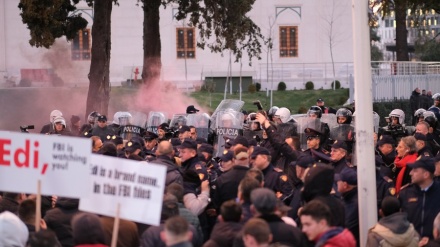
{"x":137,"y":186}
{"x":60,"y":163}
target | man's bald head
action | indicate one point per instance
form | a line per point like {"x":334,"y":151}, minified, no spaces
{"x":164,"y":148}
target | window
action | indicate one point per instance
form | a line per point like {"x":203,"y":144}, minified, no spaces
{"x":289,"y":41}
{"x":81,"y":45}
{"x":186,"y":43}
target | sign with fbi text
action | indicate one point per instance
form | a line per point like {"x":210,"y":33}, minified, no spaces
{"x":60,"y":163}
{"x":137,"y":187}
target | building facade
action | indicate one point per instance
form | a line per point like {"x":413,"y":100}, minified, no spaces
{"x":302,"y":32}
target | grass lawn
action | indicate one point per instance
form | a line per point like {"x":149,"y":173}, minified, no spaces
{"x":297,"y":101}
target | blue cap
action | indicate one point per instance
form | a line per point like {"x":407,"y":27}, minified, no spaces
{"x":339,"y":144}
{"x":426,"y":163}
{"x":305,"y":161}
{"x":348,"y":175}
{"x":183,"y":129}
{"x":188,"y":143}
{"x":386,"y":139}
{"x":259,"y":150}
{"x":227,"y":156}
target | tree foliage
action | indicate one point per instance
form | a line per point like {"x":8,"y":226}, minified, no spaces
{"x":225,"y":21}
{"x":48,"y":20}
{"x":428,"y":51}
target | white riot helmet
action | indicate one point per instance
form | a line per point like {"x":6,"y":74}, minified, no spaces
{"x":59,"y":120}
{"x":283,"y":114}
{"x":54,"y":114}
{"x":419,"y":113}
{"x":399,"y":114}
{"x":116,"y":117}
{"x":272,"y":110}
{"x":124,"y":118}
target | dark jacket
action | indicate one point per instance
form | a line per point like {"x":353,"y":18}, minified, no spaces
{"x":227,"y":184}
{"x":59,"y":219}
{"x":350,"y":199}
{"x":151,"y":237}
{"x":102,"y":132}
{"x":414,"y":101}
{"x":278,"y":182}
{"x":317,"y":186}
{"x":395,"y":230}
{"x":340,"y":165}
{"x":296,"y":202}
{"x":223,"y":234}
{"x":385,"y":187}
{"x":279,"y":143}
{"x":8,"y":204}
{"x":284,"y":233}
{"x":433,"y":243}
{"x":174,"y":175}
{"x":196,"y":165}
{"x":421,"y":206}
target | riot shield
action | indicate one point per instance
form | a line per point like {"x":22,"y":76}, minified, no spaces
{"x":177,"y":121}
{"x":154,"y":120}
{"x":201,"y":122}
{"x":376,"y":120}
{"x":231,"y":104}
{"x":287,"y":129}
{"x":330,"y":119}
{"x":229,"y":126}
{"x":135,"y":126}
{"x":307,"y":122}
{"x":343,"y":132}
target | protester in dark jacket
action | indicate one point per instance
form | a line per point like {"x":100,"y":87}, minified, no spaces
{"x":165,"y":156}
{"x":87,"y":231}
{"x":59,"y":218}
{"x":226,"y":229}
{"x":10,"y":202}
{"x":264,"y":201}
{"x":318,"y":184}
{"x":415,"y":102}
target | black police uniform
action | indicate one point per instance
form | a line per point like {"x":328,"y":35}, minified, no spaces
{"x":385,"y":187}
{"x":277,"y":181}
{"x":319,"y":155}
{"x":426,"y":152}
{"x":227,"y":184}
{"x":197,"y":166}
{"x":421,"y":206}
{"x":289,"y":155}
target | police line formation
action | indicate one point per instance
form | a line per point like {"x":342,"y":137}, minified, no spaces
{"x":269,"y":177}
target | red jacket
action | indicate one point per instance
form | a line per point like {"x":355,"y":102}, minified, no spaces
{"x":336,"y":237}
{"x":91,"y":245}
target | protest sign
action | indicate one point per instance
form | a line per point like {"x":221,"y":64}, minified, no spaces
{"x":59,"y":162}
{"x":137,"y":186}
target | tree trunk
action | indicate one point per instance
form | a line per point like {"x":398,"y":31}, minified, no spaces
{"x":152,"y":48}
{"x":99,"y":89}
{"x":401,"y":7}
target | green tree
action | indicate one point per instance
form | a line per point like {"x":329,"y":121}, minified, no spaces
{"x":48,"y":20}
{"x":225,"y":20}
{"x":428,"y":51}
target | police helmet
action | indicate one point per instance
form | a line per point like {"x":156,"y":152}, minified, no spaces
{"x":93,"y":116}
{"x":399,"y":114}
{"x":272,"y":110}
{"x":436,"y":96}
{"x":419,"y":113}
{"x":283,"y":114}
{"x":315,"y":110}
{"x":59,"y":120}
{"x":344,"y":112}
{"x":54,"y":114}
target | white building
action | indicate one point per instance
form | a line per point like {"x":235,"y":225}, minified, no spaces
{"x":428,"y":27}
{"x":300,"y":30}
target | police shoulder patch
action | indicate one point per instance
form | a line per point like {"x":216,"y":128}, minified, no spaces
{"x":277,"y":169}
{"x":389,"y":180}
{"x":392,"y":191}
{"x":201,"y":176}
{"x":412,"y":199}
{"x":284,"y":178}
{"x":198,"y":167}
{"x":426,"y":154}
